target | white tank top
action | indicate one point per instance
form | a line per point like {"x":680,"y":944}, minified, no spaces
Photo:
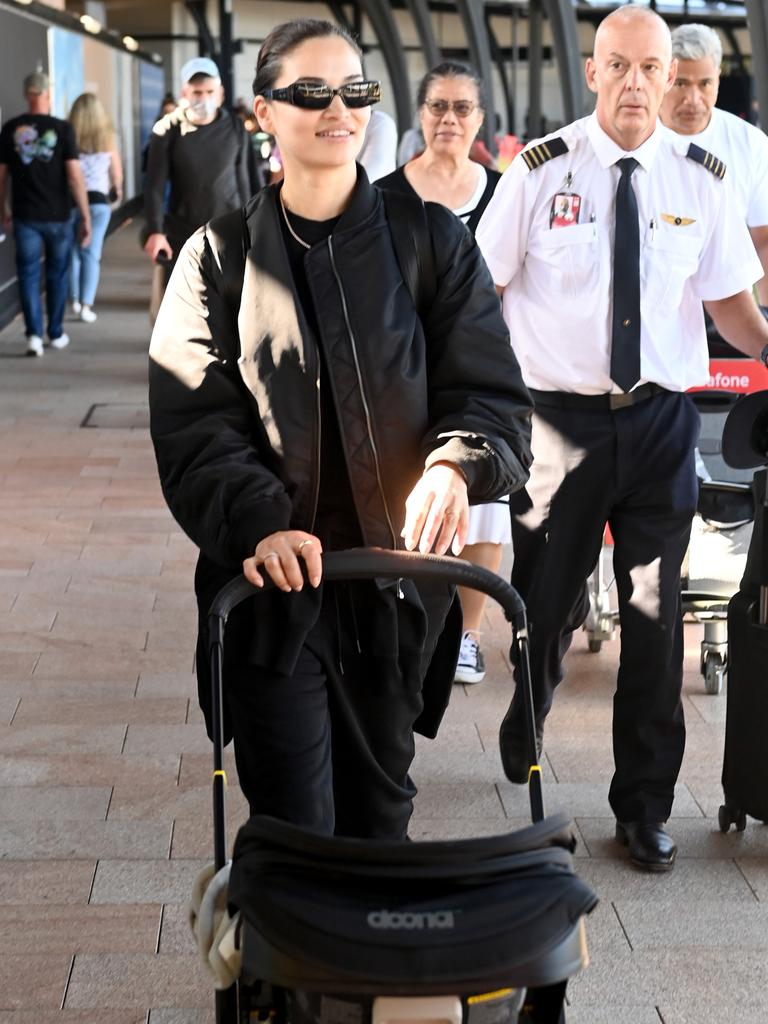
{"x":96,"y":171}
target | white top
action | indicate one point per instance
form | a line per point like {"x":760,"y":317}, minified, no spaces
{"x":465,"y":212}
{"x":744,"y":151}
{"x":96,"y":171}
{"x":380,"y":146}
{"x":558,"y":280}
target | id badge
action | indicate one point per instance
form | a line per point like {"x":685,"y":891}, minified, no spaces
{"x":564,"y":210}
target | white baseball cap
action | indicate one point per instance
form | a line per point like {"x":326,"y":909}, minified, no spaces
{"x":199,"y":66}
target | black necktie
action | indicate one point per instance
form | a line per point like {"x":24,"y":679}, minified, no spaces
{"x":625,"y":329}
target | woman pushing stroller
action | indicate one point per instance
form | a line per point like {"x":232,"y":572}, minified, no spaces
{"x":300,"y":403}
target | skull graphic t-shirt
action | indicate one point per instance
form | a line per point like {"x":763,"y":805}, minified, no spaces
{"x":35,"y":148}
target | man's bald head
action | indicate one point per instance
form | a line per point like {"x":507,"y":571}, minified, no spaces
{"x":631,"y":69}
{"x":627,"y":19}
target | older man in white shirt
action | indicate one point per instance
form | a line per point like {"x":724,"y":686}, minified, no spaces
{"x":689,"y":110}
{"x":604,"y":308}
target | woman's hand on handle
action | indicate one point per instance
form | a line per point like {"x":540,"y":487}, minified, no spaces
{"x":437,"y":511}
{"x":278,"y":555}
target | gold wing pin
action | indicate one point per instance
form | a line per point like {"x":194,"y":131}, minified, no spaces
{"x":680,"y":222}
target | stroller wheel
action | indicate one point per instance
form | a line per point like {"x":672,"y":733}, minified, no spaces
{"x":594,"y":645}
{"x":714,"y":669}
{"x":723,"y":818}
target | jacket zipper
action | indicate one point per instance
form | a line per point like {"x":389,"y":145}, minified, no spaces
{"x":368,"y":420}
{"x":316,"y":496}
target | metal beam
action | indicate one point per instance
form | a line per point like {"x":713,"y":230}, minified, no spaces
{"x":422,"y":20}
{"x":384,"y":26}
{"x":757,"y":22}
{"x":226,"y":51}
{"x":196,"y":9}
{"x":472,"y":17}
{"x":565,"y":36}
{"x":498,"y":57}
{"x":533,"y":125}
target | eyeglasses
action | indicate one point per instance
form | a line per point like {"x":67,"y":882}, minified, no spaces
{"x":319,"y":96}
{"x":439,"y":108}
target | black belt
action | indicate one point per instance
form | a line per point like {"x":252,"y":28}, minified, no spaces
{"x":605,"y":403}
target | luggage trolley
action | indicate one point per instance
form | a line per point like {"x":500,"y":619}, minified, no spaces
{"x":346,"y":931}
{"x":720,"y":533}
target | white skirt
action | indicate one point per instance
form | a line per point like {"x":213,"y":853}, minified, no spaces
{"x":489,"y":523}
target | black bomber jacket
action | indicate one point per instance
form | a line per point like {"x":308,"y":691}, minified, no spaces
{"x":234,"y":376}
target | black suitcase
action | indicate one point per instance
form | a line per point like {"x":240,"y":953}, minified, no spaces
{"x":745,"y":764}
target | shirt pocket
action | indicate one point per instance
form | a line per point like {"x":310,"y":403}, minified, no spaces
{"x":570,"y":256}
{"x":670,"y":258}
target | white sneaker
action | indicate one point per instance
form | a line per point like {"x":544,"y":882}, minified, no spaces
{"x":87,"y":315}
{"x":76,"y":307}
{"x":61,"y":342}
{"x":34,"y":345}
{"x":471,"y":664}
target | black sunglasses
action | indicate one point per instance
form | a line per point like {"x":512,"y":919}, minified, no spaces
{"x":318,"y":96}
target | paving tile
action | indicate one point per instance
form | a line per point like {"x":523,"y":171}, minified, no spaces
{"x":196,"y":769}
{"x":70,"y":1017}
{"x":193,"y":837}
{"x":97,"y":712}
{"x":597,"y":1014}
{"x":756,"y":874}
{"x":462,"y":800}
{"x":46,"y":992}
{"x":111,"y":980}
{"x":84,"y":840}
{"x":584,"y":800}
{"x":30,"y":803}
{"x":167,"y":684}
{"x":66,"y":664}
{"x":716,"y":924}
{"x":178,"y":1017}
{"x":132,"y":881}
{"x":61,"y":739}
{"x":690,"y":881}
{"x":49,"y":929}
{"x":145,"y":739}
{"x":133,"y":803}
{"x":694,"y":837}
{"x":175,"y":933}
{"x":53,"y":882}
{"x":88,"y":769}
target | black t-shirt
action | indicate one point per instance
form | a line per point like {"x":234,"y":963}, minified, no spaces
{"x":336,"y":523}
{"x":35,"y":147}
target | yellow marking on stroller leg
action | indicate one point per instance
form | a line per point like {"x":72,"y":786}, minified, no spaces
{"x":532,"y":769}
{"x":222,"y":773}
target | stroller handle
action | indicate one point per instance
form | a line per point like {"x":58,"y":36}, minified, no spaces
{"x":367,"y":563}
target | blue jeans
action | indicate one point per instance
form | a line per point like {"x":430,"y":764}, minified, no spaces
{"x":33,"y":237}
{"x":86,"y":263}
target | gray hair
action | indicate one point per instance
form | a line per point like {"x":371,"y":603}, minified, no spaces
{"x":696,"y":42}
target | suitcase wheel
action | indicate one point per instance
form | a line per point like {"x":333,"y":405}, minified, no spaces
{"x":713,"y":668}
{"x":728,"y":815}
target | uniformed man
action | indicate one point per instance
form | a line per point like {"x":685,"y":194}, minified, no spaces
{"x":605,"y":315}
{"x":689,"y":109}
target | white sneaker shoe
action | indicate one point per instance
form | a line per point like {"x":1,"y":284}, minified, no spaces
{"x":61,"y":342}
{"x":471,"y":664}
{"x":87,"y":315}
{"x":34,"y":345}
{"x":76,"y":307}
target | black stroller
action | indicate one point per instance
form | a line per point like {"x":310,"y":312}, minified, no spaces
{"x":347,"y":931}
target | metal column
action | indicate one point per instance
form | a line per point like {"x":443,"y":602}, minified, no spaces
{"x":757,"y":21}
{"x":422,"y":19}
{"x":473,"y":20}
{"x":385,"y":29}
{"x":565,"y":37}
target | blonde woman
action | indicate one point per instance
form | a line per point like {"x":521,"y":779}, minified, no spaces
{"x":103,"y":174}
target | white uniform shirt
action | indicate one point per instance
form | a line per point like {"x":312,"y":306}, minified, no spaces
{"x":558,"y":280}
{"x":744,"y":151}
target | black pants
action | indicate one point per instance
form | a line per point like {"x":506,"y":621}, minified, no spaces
{"x":633,"y":468}
{"x":328,"y":746}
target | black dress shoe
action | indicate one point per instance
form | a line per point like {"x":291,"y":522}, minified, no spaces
{"x":651,"y":847}
{"x":514,"y":755}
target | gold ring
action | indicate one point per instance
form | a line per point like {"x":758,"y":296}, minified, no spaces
{"x":302,"y":544}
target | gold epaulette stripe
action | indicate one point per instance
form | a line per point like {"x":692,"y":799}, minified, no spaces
{"x":708,"y":160}
{"x":535,"y":156}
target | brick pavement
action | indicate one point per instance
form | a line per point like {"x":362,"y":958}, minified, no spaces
{"x":104,"y":798}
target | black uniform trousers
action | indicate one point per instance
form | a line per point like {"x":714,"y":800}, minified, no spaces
{"x":634,"y":469}
{"x":329,"y":744}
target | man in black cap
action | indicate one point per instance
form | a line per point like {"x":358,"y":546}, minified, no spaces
{"x":39,"y":156}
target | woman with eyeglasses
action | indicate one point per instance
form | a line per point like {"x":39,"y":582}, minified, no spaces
{"x":451,"y":113}
{"x":300,"y":404}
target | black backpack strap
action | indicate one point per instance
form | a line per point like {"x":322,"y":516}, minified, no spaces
{"x":409,"y":227}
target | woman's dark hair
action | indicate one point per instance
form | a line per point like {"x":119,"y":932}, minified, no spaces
{"x":285,"y":38}
{"x":450,"y":69}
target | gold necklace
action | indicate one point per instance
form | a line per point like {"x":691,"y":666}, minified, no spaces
{"x":288,"y":223}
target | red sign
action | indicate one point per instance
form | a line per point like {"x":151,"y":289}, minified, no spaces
{"x":742,"y":376}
